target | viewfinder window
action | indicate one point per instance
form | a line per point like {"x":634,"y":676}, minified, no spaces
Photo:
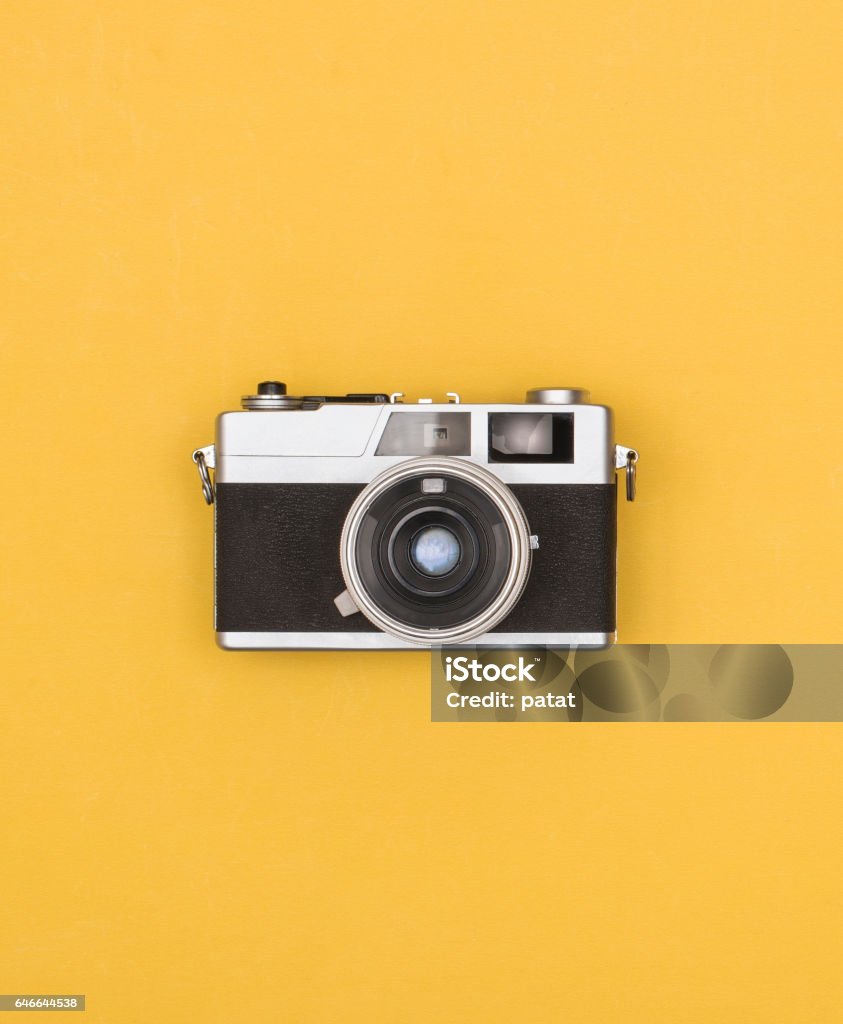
{"x":531,"y":437}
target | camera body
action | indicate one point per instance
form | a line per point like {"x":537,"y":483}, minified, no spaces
{"x":364,"y":522}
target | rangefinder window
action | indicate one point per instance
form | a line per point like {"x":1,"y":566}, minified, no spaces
{"x":421,"y":433}
{"x":531,"y":437}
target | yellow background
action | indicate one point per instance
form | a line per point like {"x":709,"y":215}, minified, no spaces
{"x":641,"y":198}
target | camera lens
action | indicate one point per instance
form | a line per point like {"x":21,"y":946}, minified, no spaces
{"x":435,"y":551}
{"x":439,"y":566}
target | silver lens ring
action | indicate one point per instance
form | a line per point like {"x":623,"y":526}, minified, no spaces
{"x":518,"y":535}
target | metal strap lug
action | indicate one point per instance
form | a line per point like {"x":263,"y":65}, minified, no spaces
{"x":205,"y":459}
{"x":627,"y":459}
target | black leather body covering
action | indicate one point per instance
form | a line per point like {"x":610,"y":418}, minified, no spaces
{"x":278,"y":565}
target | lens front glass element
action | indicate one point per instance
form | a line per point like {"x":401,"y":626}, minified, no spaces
{"x":435,"y":551}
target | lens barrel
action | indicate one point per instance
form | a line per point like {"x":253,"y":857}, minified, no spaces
{"x":478,"y":555}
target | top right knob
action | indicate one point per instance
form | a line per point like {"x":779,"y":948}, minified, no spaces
{"x":558,"y":396}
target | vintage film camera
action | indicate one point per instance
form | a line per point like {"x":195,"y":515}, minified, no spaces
{"x":361,"y":521}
